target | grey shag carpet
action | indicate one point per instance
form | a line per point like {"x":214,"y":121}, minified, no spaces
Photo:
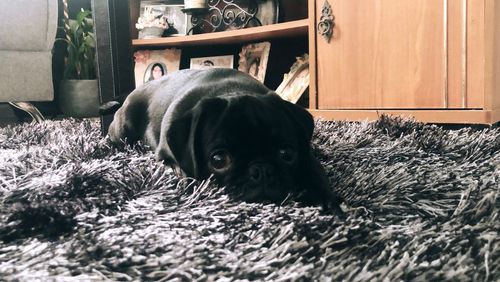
{"x":422,"y":204}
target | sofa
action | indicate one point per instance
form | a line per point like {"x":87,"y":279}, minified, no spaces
{"x":27,"y":35}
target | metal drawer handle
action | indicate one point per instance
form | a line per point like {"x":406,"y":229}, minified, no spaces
{"x":326,"y":22}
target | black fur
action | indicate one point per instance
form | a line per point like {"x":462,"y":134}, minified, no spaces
{"x":188,"y":117}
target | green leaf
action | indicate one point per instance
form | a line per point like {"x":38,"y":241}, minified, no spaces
{"x":89,"y":41}
{"x":82,"y":15}
{"x":80,"y":63}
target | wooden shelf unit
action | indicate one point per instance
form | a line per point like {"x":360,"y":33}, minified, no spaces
{"x":117,"y":38}
{"x":288,"y":38}
{"x":274,"y":31}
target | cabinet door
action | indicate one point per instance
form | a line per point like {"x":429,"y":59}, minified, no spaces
{"x":383,"y":54}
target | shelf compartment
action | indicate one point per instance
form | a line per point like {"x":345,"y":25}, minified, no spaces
{"x":280,"y":30}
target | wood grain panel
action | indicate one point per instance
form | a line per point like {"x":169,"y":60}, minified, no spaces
{"x":432,"y":116}
{"x":457,"y":54}
{"x":313,"y":94}
{"x":475,"y":53}
{"x":492,"y":58}
{"x":384,"y":54}
{"x":494,"y":95}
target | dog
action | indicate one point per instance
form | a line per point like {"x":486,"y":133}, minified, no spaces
{"x":225,"y":123}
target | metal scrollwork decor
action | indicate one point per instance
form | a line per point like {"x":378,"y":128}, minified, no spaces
{"x":326,"y":22}
{"x":223,"y":15}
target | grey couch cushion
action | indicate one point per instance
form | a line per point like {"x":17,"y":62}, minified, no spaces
{"x":27,"y":34}
{"x":26,"y":76}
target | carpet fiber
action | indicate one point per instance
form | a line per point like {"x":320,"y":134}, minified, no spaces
{"x":422,"y":204}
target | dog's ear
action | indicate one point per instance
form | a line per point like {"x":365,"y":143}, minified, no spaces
{"x":303,"y":120}
{"x":112,"y":106}
{"x":184,"y":134}
{"x":314,"y":177}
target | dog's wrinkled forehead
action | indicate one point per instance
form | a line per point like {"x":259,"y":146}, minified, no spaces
{"x":255,"y":112}
{"x":249,"y":121}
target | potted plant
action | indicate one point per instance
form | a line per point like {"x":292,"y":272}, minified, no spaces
{"x":79,"y":96}
{"x":152,"y":23}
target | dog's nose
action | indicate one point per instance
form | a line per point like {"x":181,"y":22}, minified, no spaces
{"x":261,"y":173}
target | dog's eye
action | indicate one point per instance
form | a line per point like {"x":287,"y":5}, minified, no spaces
{"x":288,"y":155}
{"x":220,"y":161}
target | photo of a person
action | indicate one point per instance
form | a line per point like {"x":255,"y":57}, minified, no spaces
{"x":153,"y":64}
{"x":208,"y":63}
{"x":156,"y":71}
{"x":212,"y":62}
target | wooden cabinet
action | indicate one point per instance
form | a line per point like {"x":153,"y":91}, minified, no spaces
{"x":437,"y":60}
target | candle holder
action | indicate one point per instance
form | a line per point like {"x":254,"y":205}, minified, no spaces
{"x":195,"y":4}
{"x":221,"y":15}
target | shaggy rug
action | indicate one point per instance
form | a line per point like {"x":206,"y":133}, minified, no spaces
{"x":422,"y":204}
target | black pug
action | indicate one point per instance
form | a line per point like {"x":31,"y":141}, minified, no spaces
{"x":223,"y":122}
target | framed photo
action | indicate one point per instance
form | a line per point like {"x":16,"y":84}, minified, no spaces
{"x":176,"y":19}
{"x":153,"y":64}
{"x":212,"y":62}
{"x":253,"y":59}
{"x":171,"y":11}
{"x":296,"y":81}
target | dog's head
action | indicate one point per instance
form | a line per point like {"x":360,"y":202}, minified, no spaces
{"x":257,"y":146}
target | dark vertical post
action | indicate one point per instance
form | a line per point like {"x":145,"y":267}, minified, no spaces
{"x":114,"y":51}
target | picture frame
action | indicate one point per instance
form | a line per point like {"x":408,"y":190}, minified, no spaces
{"x":253,"y":59}
{"x":177,"y":20}
{"x":225,"y":61}
{"x":172,"y":11}
{"x":146,"y":60}
{"x":295,"y":82}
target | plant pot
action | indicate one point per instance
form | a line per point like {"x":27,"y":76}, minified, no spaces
{"x":79,"y":98}
{"x":195,"y":4}
{"x":151,"y":32}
